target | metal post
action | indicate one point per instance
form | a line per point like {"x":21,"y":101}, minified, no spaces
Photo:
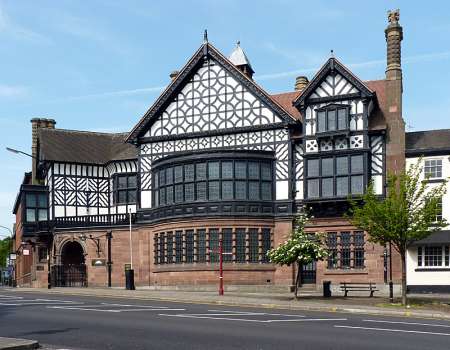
{"x":131,"y":246}
{"x":49,"y":273}
{"x":391,"y":284}
{"x":385,"y":257}
{"x":220,"y":267}
{"x":109,"y":263}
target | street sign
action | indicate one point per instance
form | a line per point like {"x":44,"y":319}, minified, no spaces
{"x":12,"y":256}
{"x":26,"y":252}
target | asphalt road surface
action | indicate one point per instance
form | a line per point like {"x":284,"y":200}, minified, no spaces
{"x":76,"y":322}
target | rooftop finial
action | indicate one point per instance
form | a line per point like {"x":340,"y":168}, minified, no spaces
{"x":238,"y":43}
{"x":205,"y":36}
{"x":332,"y":53}
{"x":393,"y":16}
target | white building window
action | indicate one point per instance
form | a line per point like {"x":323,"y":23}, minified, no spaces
{"x":433,"y":168}
{"x":433,"y":256}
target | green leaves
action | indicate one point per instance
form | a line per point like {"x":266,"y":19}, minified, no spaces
{"x":300,"y":247}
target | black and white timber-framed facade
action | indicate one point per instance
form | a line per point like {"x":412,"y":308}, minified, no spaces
{"x":215,"y":157}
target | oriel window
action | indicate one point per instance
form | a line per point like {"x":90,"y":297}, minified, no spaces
{"x":36,"y":207}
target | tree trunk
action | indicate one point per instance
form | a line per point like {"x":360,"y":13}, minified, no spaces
{"x":404,"y":297}
{"x":297,"y":279}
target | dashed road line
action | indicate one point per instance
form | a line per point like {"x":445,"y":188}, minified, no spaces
{"x":391,"y":330}
{"x":410,"y":323}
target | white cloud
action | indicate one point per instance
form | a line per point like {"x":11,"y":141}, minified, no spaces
{"x":10,"y":91}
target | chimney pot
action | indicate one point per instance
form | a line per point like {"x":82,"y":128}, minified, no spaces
{"x":301,"y":82}
{"x":394,"y":37}
{"x":36,"y":124}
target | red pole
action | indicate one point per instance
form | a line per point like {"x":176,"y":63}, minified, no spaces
{"x":220,"y":267}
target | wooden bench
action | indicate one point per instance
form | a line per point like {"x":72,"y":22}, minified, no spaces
{"x":358,"y":287}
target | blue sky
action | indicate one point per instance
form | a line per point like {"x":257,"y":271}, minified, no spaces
{"x":98,"y":65}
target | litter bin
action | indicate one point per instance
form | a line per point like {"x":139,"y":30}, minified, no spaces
{"x":129,"y":279}
{"x":326,"y":289}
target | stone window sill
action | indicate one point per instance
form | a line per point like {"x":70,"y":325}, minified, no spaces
{"x":212,"y":267}
{"x":346,"y":272}
{"x":432,"y":269}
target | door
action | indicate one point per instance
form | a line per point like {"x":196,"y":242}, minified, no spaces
{"x":308,"y":273}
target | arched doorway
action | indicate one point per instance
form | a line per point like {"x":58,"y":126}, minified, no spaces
{"x":72,"y":271}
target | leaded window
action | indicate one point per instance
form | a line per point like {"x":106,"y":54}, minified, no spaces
{"x":214,"y":181}
{"x":433,"y":168}
{"x":345,"y":250}
{"x":332,"y":118}
{"x":125,"y":188}
{"x":433,"y":256}
{"x":36,"y":207}
{"x":337,"y":176}
{"x":239,"y":245}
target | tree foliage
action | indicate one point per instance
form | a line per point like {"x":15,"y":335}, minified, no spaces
{"x":406,"y":215}
{"x":300,"y":248}
{"x":5,"y":245}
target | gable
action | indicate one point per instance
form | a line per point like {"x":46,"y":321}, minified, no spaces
{"x":331,"y":82}
{"x":212,"y":100}
{"x":210,"y":95}
{"x":334,"y":85}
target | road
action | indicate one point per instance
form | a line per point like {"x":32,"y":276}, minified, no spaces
{"x":76,"y":322}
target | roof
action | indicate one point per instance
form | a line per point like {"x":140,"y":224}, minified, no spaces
{"x":377,"y":121}
{"x":430,"y":141}
{"x":440,"y":237}
{"x":26,"y":180}
{"x":238,"y":56}
{"x":198,"y":58}
{"x":84,"y":147}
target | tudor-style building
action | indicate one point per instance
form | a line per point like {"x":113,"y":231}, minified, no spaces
{"x":215,"y":157}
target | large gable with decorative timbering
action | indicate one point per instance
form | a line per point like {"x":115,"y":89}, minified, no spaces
{"x":209,"y":95}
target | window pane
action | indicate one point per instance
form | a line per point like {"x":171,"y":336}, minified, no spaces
{"x":178,"y":193}
{"x":266,"y":191}
{"x":253,"y":245}
{"x":122,"y":181}
{"x":266,"y":244}
{"x":227,"y":190}
{"x":131,"y":196}
{"x":132,"y":181}
{"x":327,"y":187}
{"x":31,"y":215}
{"x":169,"y":194}
{"x":213,"y":187}
{"x":42,"y":214}
{"x":240,"y":245}
{"x":341,"y":165}
{"x":122,"y":196}
{"x":156,"y":180}
{"x":189,"y":192}
{"x":213,"y":245}
{"x":332,"y":120}
{"x":227,"y":241}
{"x":200,"y":169}
{"x":327,"y":167}
{"x":31,"y":200}
{"x":253,"y":190}
{"x":357,"y":164}
{"x":201,"y":245}
{"x":313,"y":188}
{"x":213,"y":170}
{"x":253,"y":170}
{"x":266,"y":171}
{"x":169,"y":176}
{"x":342,"y":186}
{"x":189,"y":172}
{"x":178,"y":247}
{"x":342,"y":119}
{"x":321,"y":123}
{"x":241,"y":190}
{"x":240,"y":170}
{"x":162,"y":177}
{"x":42,"y":199}
{"x":189,"y":246}
{"x":162,"y":196}
{"x":201,"y":191}
{"x":178,"y":174}
{"x":169,"y":244}
{"x":227,"y":170}
{"x":357,"y":184}
{"x":313,"y":167}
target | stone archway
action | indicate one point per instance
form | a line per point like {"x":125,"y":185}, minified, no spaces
{"x":71,"y":272}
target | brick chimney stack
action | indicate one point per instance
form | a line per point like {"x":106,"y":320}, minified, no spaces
{"x":395,"y":150}
{"x":36,"y":124}
{"x":301,"y":82}
{"x":394,"y":37}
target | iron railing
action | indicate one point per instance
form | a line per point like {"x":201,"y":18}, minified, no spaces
{"x":69,"y":276}
{"x":94,"y":220}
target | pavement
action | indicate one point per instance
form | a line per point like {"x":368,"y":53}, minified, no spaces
{"x":17,"y":344}
{"x":66,"y":320}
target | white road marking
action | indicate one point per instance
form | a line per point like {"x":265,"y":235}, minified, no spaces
{"x":253,"y":313}
{"x":133,"y":305}
{"x":96,"y":308}
{"x":392,"y":330}
{"x":412,"y":323}
{"x":249,"y":320}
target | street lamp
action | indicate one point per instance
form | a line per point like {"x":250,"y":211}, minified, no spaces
{"x":96,"y":240}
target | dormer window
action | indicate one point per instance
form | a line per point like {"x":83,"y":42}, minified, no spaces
{"x":333,"y":118}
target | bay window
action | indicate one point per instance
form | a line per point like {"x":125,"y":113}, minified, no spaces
{"x":36,"y":207}
{"x":335,"y":176}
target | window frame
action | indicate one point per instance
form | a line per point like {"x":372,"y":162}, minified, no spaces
{"x":126,"y":189}
{"x":424,"y":256}
{"x":36,"y":208}
{"x":327,"y":110}
{"x":335,"y":176}
{"x":434,"y":170}
{"x":221,"y":182}
{"x":348,"y":254}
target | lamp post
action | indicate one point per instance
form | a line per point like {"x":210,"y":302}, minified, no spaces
{"x":129,"y":274}
{"x":96,"y":240}
{"x":10,"y":251}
